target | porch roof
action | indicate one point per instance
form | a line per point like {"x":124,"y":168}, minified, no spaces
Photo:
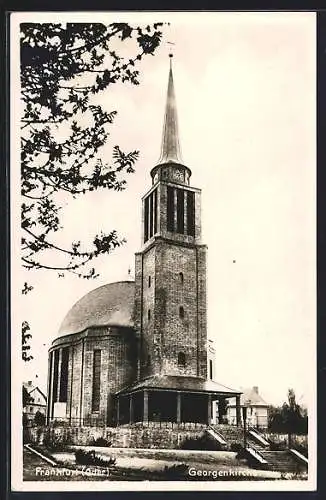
{"x":179,"y":383}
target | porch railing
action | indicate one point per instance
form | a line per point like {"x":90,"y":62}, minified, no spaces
{"x":100,"y":422}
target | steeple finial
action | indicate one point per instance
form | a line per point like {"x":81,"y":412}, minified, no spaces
{"x":170,"y":150}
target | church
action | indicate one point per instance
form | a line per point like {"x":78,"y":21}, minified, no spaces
{"x":137,"y":351}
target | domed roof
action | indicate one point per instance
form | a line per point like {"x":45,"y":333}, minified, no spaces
{"x":111,"y":304}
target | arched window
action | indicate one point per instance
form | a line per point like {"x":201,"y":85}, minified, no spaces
{"x":149,"y":314}
{"x":181,"y":312}
{"x":96,"y":389}
{"x":181,"y":359}
{"x":149,"y":281}
{"x":181,"y":278}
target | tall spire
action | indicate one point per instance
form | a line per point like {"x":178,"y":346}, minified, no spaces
{"x":170,"y":150}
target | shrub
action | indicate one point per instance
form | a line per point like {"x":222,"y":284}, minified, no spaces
{"x":55,"y":442}
{"x":175,"y":471}
{"x":241,"y":451}
{"x":200,"y":443}
{"x":39,"y":418}
{"x":100,"y":442}
{"x":89,"y":458}
{"x":26,"y":434}
{"x":236,"y":447}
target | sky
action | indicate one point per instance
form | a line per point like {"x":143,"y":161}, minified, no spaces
{"x":245,"y":91}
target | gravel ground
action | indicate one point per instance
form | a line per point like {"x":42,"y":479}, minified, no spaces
{"x":136,"y":468}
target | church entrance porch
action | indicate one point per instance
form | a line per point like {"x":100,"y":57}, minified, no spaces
{"x":150,"y":405}
{"x":172,"y":398}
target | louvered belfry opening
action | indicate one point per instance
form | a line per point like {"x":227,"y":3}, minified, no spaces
{"x":150,"y":215}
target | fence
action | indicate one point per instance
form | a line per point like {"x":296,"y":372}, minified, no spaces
{"x":301,"y":439}
{"x":101,"y":422}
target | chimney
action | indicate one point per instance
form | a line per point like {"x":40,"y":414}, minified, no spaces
{"x":255,"y":388}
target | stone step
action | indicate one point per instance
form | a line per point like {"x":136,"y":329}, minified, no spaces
{"x":279,"y":460}
{"x":258,"y":437}
{"x":255,"y":445}
{"x":277,"y":455}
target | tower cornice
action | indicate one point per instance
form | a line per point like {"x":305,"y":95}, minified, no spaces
{"x":172,"y":184}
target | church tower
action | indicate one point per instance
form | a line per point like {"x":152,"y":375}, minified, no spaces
{"x":137,"y":351}
{"x":170,"y":269}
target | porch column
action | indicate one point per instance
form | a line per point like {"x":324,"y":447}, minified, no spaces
{"x":238,"y":410}
{"x":178,"y":407}
{"x":118,"y":410}
{"x":209,"y":409}
{"x":145,"y":413}
{"x":131,"y":408}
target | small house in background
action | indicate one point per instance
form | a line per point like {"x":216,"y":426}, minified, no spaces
{"x":257,"y":409}
{"x":37,"y":401}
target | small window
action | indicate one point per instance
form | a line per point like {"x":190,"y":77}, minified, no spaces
{"x":211,"y":369}
{"x":149,"y":314}
{"x":181,"y":278}
{"x":181,"y":359}
{"x":181,"y":312}
{"x":149,"y":281}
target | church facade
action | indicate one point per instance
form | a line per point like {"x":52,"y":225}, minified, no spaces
{"x":137,"y":350}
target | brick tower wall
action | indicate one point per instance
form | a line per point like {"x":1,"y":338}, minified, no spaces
{"x":165,"y":333}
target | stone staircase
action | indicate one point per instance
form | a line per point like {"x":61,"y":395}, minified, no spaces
{"x":256,"y":437}
{"x":259,"y":445}
{"x":281,"y":461}
{"x":217,"y":436}
{"x":254,"y":444}
{"x":230,"y":433}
